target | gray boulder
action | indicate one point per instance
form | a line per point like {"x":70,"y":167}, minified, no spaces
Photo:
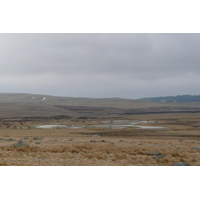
{"x":181,"y":164}
{"x":158,"y":156}
{"x":37,"y":138}
{"x":21,"y":144}
{"x":198,"y":149}
{"x":154,"y":153}
{"x":10,"y":139}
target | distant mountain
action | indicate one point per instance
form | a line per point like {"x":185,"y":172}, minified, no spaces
{"x":179,"y":98}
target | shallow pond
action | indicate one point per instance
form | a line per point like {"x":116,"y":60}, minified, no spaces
{"x":151,"y":127}
{"x":117,"y":124}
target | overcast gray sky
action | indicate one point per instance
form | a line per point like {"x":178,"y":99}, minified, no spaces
{"x":100,"y":65}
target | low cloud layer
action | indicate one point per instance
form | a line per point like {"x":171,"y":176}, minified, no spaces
{"x":100,"y":65}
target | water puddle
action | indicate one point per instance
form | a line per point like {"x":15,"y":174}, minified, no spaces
{"x":104,"y":122}
{"x":59,"y":126}
{"x":51,"y":126}
{"x":117,"y":124}
{"x":151,"y":127}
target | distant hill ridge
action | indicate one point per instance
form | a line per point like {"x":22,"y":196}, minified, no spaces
{"x":38,"y":105}
{"x":179,"y":98}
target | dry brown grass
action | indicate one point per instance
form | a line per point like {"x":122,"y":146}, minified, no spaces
{"x":100,"y":153}
{"x":56,"y":148}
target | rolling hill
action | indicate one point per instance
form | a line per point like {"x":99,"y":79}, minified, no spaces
{"x":179,"y":98}
{"x":35,"y":105}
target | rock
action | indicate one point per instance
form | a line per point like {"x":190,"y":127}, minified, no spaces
{"x":158,"y":156}
{"x":83,"y":117}
{"x":121,"y":141}
{"x":10,"y":139}
{"x":93,"y":141}
{"x":37,"y":138}
{"x":198,"y":149}
{"x":112,"y":143}
{"x":37,"y":143}
{"x":25,"y":138}
{"x":71,"y":139}
{"x":21,"y":144}
{"x":103,"y":141}
{"x":181,"y":164}
{"x":154,"y":153}
{"x":6,"y":136}
{"x":180,"y":140}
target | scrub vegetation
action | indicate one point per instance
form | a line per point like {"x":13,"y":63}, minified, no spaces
{"x":97,"y":145}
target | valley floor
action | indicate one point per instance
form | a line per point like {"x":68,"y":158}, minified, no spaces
{"x":179,"y":144}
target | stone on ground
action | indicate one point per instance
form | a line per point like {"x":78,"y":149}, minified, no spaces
{"x":21,"y":144}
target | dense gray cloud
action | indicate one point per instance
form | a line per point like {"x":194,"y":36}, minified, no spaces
{"x":100,"y":65}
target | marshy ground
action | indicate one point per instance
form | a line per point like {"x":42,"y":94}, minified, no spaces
{"x":98,"y":146}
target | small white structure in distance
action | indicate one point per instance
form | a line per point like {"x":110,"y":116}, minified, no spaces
{"x":43,"y":98}
{"x":33,"y":97}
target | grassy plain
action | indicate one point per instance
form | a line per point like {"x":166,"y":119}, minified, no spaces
{"x":91,"y":146}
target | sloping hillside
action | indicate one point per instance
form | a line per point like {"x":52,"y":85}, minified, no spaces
{"x":179,"y":98}
{"x":34,"y":105}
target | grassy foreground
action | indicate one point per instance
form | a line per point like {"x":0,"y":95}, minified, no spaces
{"x":103,"y":147}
